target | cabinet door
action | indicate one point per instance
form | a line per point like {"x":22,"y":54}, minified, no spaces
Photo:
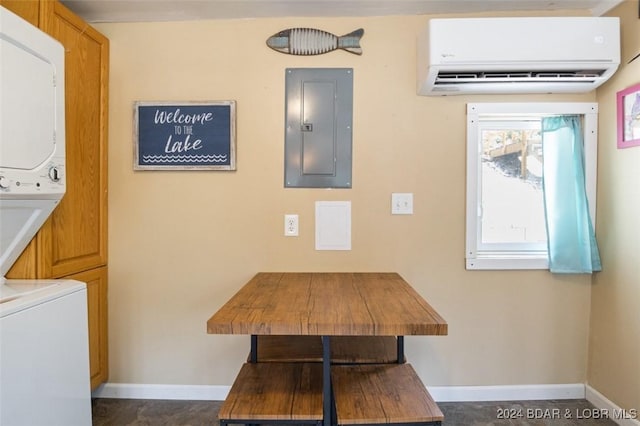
{"x":96,"y":280}
{"x":29,"y":10}
{"x":77,"y":230}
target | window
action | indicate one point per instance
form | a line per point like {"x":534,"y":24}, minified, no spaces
{"x":506,"y":226}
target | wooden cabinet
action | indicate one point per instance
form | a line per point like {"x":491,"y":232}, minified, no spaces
{"x":78,"y":226}
{"x":28,"y":10}
{"x":96,"y":280}
{"x":73,"y":242}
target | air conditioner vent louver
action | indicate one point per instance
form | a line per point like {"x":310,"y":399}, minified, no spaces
{"x":517,"y":55}
{"x":452,"y":77}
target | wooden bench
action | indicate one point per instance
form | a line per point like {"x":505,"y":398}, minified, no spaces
{"x":275,"y":393}
{"x":382,"y":394}
{"x":344,"y":349}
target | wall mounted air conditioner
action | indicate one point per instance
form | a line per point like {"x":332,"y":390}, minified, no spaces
{"x":517,"y":55}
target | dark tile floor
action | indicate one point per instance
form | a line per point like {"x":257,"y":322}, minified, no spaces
{"x":135,"y":412}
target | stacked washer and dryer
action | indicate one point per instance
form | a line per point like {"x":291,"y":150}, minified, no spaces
{"x":44,"y":349}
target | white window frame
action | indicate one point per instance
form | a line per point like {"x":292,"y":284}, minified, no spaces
{"x":478,"y":257}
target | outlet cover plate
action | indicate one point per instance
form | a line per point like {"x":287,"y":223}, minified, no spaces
{"x":290,"y":225}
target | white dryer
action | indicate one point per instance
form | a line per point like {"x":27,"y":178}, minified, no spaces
{"x":44,"y":349}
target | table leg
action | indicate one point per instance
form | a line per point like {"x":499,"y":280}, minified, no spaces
{"x":253,"y":357}
{"x":400,"y":351}
{"x":326,"y":381}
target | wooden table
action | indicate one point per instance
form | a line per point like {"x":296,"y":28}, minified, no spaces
{"x":327,"y":304}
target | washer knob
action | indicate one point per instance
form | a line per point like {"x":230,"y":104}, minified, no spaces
{"x":4,"y":182}
{"x":54,"y":174}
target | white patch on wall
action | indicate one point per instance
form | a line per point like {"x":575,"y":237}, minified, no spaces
{"x":333,"y":225}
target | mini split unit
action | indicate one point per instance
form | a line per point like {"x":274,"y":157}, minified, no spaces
{"x":517,"y":55}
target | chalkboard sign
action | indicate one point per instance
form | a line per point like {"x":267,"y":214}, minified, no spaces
{"x":184,"y":136}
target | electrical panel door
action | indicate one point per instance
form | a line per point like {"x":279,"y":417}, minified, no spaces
{"x":319,"y":115}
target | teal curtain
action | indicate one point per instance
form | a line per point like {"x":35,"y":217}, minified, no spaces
{"x":570,"y":237}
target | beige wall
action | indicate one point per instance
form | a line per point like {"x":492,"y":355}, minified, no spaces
{"x":181,"y":243}
{"x":614,"y":350}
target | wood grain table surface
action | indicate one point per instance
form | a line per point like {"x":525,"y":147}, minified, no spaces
{"x":327,"y":304}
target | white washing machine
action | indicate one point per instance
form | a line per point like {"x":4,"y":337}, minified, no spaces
{"x":44,"y":348}
{"x":44,"y":354}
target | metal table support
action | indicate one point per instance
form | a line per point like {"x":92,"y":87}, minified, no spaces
{"x":400,"y":343}
{"x":253,"y":356}
{"x":326,"y":381}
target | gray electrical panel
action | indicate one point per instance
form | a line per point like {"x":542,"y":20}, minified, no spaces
{"x":319,"y":115}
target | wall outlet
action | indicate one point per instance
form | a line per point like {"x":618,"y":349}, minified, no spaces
{"x":290,"y":225}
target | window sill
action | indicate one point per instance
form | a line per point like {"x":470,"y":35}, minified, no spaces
{"x":507,"y":262}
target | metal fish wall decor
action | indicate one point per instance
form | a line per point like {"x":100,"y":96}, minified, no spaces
{"x":309,"y":41}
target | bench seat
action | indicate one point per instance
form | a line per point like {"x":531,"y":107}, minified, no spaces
{"x":381,"y":395}
{"x":275,"y":392}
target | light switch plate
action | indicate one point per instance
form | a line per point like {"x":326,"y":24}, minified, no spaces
{"x":402,"y":203}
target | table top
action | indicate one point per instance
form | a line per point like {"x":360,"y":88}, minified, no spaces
{"x":327,"y":304}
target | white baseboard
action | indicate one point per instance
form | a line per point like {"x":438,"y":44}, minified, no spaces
{"x":140,"y":391}
{"x":506,"y":393}
{"x":439,"y":393}
{"x":613,"y":411}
